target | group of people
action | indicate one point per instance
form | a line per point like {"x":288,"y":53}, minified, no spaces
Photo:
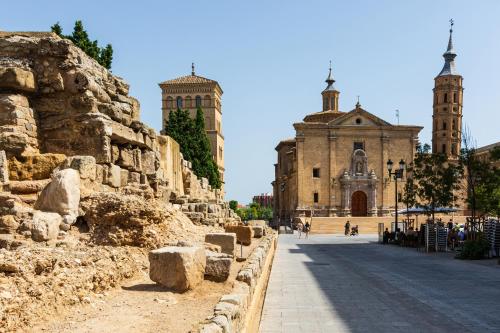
{"x":405,"y":238}
{"x":354,"y":231}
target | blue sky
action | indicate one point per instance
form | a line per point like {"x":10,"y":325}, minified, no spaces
{"x":271,"y":59}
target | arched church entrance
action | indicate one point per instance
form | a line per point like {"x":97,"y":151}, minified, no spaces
{"x":359,"y":204}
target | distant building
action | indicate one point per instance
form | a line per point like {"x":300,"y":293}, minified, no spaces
{"x":189,"y":93}
{"x":264,"y":200}
{"x":483,"y":153}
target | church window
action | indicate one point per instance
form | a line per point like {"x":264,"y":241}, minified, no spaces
{"x":444,"y":125}
{"x":358,"y":121}
{"x":455,"y":98}
{"x":169,"y":102}
{"x":443,"y":148}
{"x":315,"y":172}
{"x":332,"y":103}
{"x":179,"y":102}
{"x":359,"y":145}
{"x":198,"y":101}
{"x":316,"y":197}
{"x":445,"y":109}
{"x":453,"y":124}
{"x":325,"y":103}
{"x":445,"y":99}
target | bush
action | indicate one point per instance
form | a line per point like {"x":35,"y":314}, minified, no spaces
{"x":474,"y":249}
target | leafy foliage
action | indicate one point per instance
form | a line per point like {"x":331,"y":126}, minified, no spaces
{"x":80,"y":37}
{"x":487,"y":192}
{"x":194,"y":144}
{"x":255,"y":212}
{"x":233,"y":204}
{"x":436,"y":179}
{"x":474,"y":249}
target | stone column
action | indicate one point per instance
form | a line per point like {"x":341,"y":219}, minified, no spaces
{"x":332,"y":209}
{"x":384,"y":195}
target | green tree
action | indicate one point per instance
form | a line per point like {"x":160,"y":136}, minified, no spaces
{"x":80,"y":37}
{"x":436,"y":179}
{"x":409,"y":194}
{"x":233,"y":204}
{"x":194,"y":144}
{"x":488,"y":190}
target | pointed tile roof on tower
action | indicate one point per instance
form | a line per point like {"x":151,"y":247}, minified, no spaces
{"x":449,"y":57}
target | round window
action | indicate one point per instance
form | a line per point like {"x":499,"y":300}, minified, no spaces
{"x":358,"y":121}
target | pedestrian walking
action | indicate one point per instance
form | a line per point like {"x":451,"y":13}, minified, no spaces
{"x":300,"y":227}
{"x":347,"y":228}
{"x":307,"y":228}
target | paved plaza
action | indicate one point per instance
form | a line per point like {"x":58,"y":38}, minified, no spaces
{"x":333,"y":283}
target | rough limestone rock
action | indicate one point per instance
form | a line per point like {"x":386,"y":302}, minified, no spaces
{"x":253,"y":223}
{"x":178,"y":268}
{"x":258,"y":231}
{"x":85,"y":165}
{"x":17,"y":78}
{"x":134,"y":219}
{"x":45,"y":226}
{"x":4,"y":168}
{"x":34,"y":167}
{"x":227,"y":241}
{"x":28,"y":186}
{"x":62,"y":194}
{"x":218,"y":266}
{"x":244,"y":234}
{"x":8,"y":224}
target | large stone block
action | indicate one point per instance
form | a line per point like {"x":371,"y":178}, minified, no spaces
{"x":261,"y":223}
{"x":178,"y":268}
{"x":227,"y":241}
{"x":4,"y":168}
{"x":149,"y":162}
{"x":114,"y":176}
{"x":85,"y":165}
{"x":62,"y":194}
{"x":17,"y":79}
{"x":8,"y":224}
{"x":218,"y":266}
{"x":34,"y":167}
{"x":45,"y":226}
{"x":258,"y":231}
{"x":244,"y":234}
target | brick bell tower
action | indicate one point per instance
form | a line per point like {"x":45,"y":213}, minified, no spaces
{"x":447,"y":106}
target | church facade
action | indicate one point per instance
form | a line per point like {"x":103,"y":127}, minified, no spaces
{"x":336,"y":163}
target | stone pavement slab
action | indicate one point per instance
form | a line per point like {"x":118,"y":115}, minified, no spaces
{"x":333,"y":283}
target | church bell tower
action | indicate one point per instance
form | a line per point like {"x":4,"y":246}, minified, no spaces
{"x":447,"y":106}
{"x":330,"y":94}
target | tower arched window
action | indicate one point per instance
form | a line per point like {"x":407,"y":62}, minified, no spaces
{"x":455,"y":100}
{"x":179,"y":102}
{"x":207,"y":100}
{"x":198,"y":101}
{"x":170,"y":103}
{"x":444,"y":125}
{"x":453,"y":125}
{"x":444,"y":148}
{"x":445,"y":98}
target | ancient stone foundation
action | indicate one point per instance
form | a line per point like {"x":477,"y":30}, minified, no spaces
{"x":59,"y":109}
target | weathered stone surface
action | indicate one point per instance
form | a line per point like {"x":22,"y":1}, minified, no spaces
{"x":114,"y":177}
{"x":218,"y":266}
{"x":124,"y":177}
{"x":8,"y":224}
{"x":17,"y":79}
{"x":62,"y":194}
{"x":28,"y":186}
{"x":4,"y":168}
{"x":211,"y":328}
{"x":178,"y":268}
{"x":253,"y":223}
{"x":258,"y":231}
{"x":244,"y":234}
{"x":45,"y":226}
{"x":134,"y":177}
{"x":34,"y":167}
{"x":227,"y":241}
{"x":85,"y":165}
{"x":148,"y":162}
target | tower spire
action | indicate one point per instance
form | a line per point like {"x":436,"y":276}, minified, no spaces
{"x":449,"y":56}
{"x":329,"y":80}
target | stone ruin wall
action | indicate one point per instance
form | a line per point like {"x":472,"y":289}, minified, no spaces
{"x":56,"y":102}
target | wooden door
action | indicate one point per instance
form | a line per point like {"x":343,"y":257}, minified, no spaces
{"x":359,"y":204}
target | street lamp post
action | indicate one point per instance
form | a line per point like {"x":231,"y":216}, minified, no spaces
{"x":396,"y":174}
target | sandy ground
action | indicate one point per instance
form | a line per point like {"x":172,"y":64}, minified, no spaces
{"x":141,"y":305}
